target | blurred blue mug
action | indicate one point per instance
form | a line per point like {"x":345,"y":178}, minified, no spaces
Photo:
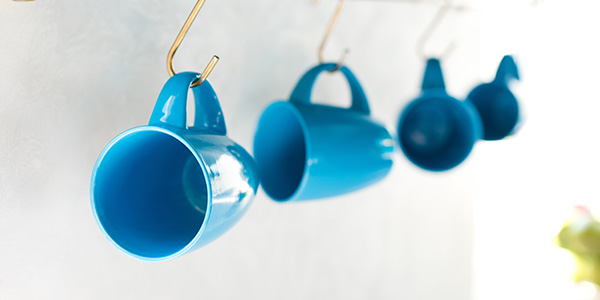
{"x":496,"y":104}
{"x":437,"y":132}
{"x":163,"y":190}
{"x":309,"y":151}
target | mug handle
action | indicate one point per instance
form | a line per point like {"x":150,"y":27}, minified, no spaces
{"x":170,"y":108}
{"x":433,"y":78}
{"x":302,"y":92}
{"x":507,"y":70}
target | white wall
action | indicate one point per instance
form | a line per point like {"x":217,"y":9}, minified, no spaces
{"x":525,"y":187}
{"x":73,"y":74}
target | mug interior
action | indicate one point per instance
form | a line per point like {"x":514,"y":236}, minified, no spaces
{"x":436,"y":134}
{"x":150,"y":193}
{"x":280,"y":150}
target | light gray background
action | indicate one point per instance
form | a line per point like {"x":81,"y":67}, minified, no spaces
{"x":73,"y":74}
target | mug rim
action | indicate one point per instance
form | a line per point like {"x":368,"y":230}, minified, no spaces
{"x":305,"y":132}
{"x":189,"y":246}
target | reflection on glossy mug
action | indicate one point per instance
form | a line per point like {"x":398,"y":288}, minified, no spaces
{"x":496,"y":104}
{"x":163,"y":190}
{"x":436,"y":131}
{"x":308,"y":151}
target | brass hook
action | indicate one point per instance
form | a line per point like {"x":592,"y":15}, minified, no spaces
{"x":179,"y":39}
{"x":328,"y":30}
{"x":426,"y":35}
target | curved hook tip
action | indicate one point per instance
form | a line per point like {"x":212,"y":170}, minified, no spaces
{"x":326,"y":35}
{"x":179,"y":39}
{"x":340,"y":62}
{"x":429,"y":30}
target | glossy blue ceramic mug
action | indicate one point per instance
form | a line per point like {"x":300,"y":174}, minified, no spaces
{"x":163,"y":190}
{"x":496,"y":104}
{"x":436,"y":131}
{"x":308,"y":151}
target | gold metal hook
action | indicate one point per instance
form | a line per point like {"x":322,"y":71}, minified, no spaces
{"x":426,"y":35}
{"x":328,"y":30}
{"x":179,"y":39}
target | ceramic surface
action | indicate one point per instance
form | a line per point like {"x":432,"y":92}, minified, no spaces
{"x":437,"y":132}
{"x":496,"y":104}
{"x":163,"y":190}
{"x":308,"y":151}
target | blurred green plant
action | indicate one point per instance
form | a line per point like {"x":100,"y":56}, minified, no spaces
{"x":581,"y":236}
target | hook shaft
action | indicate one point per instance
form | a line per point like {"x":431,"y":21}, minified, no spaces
{"x":327,"y":33}
{"x":431,"y":27}
{"x":182,"y":33}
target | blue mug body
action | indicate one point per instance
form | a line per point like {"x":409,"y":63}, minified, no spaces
{"x":163,"y":190}
{"x":308,"y":151}
{"x":437,"y":132}
{"x":496,"y":104}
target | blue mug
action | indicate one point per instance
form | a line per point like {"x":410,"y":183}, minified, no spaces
{"x":308,"y":151}
{"x":437,"y":132}
{"x":497,"y":105}
{"x":163,"y":190}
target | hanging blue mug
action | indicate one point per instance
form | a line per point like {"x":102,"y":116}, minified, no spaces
{"x":308,"y":151}
{"x":497,"y":105}
{"x":437,"y":132}
{"x":163,"y":190}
